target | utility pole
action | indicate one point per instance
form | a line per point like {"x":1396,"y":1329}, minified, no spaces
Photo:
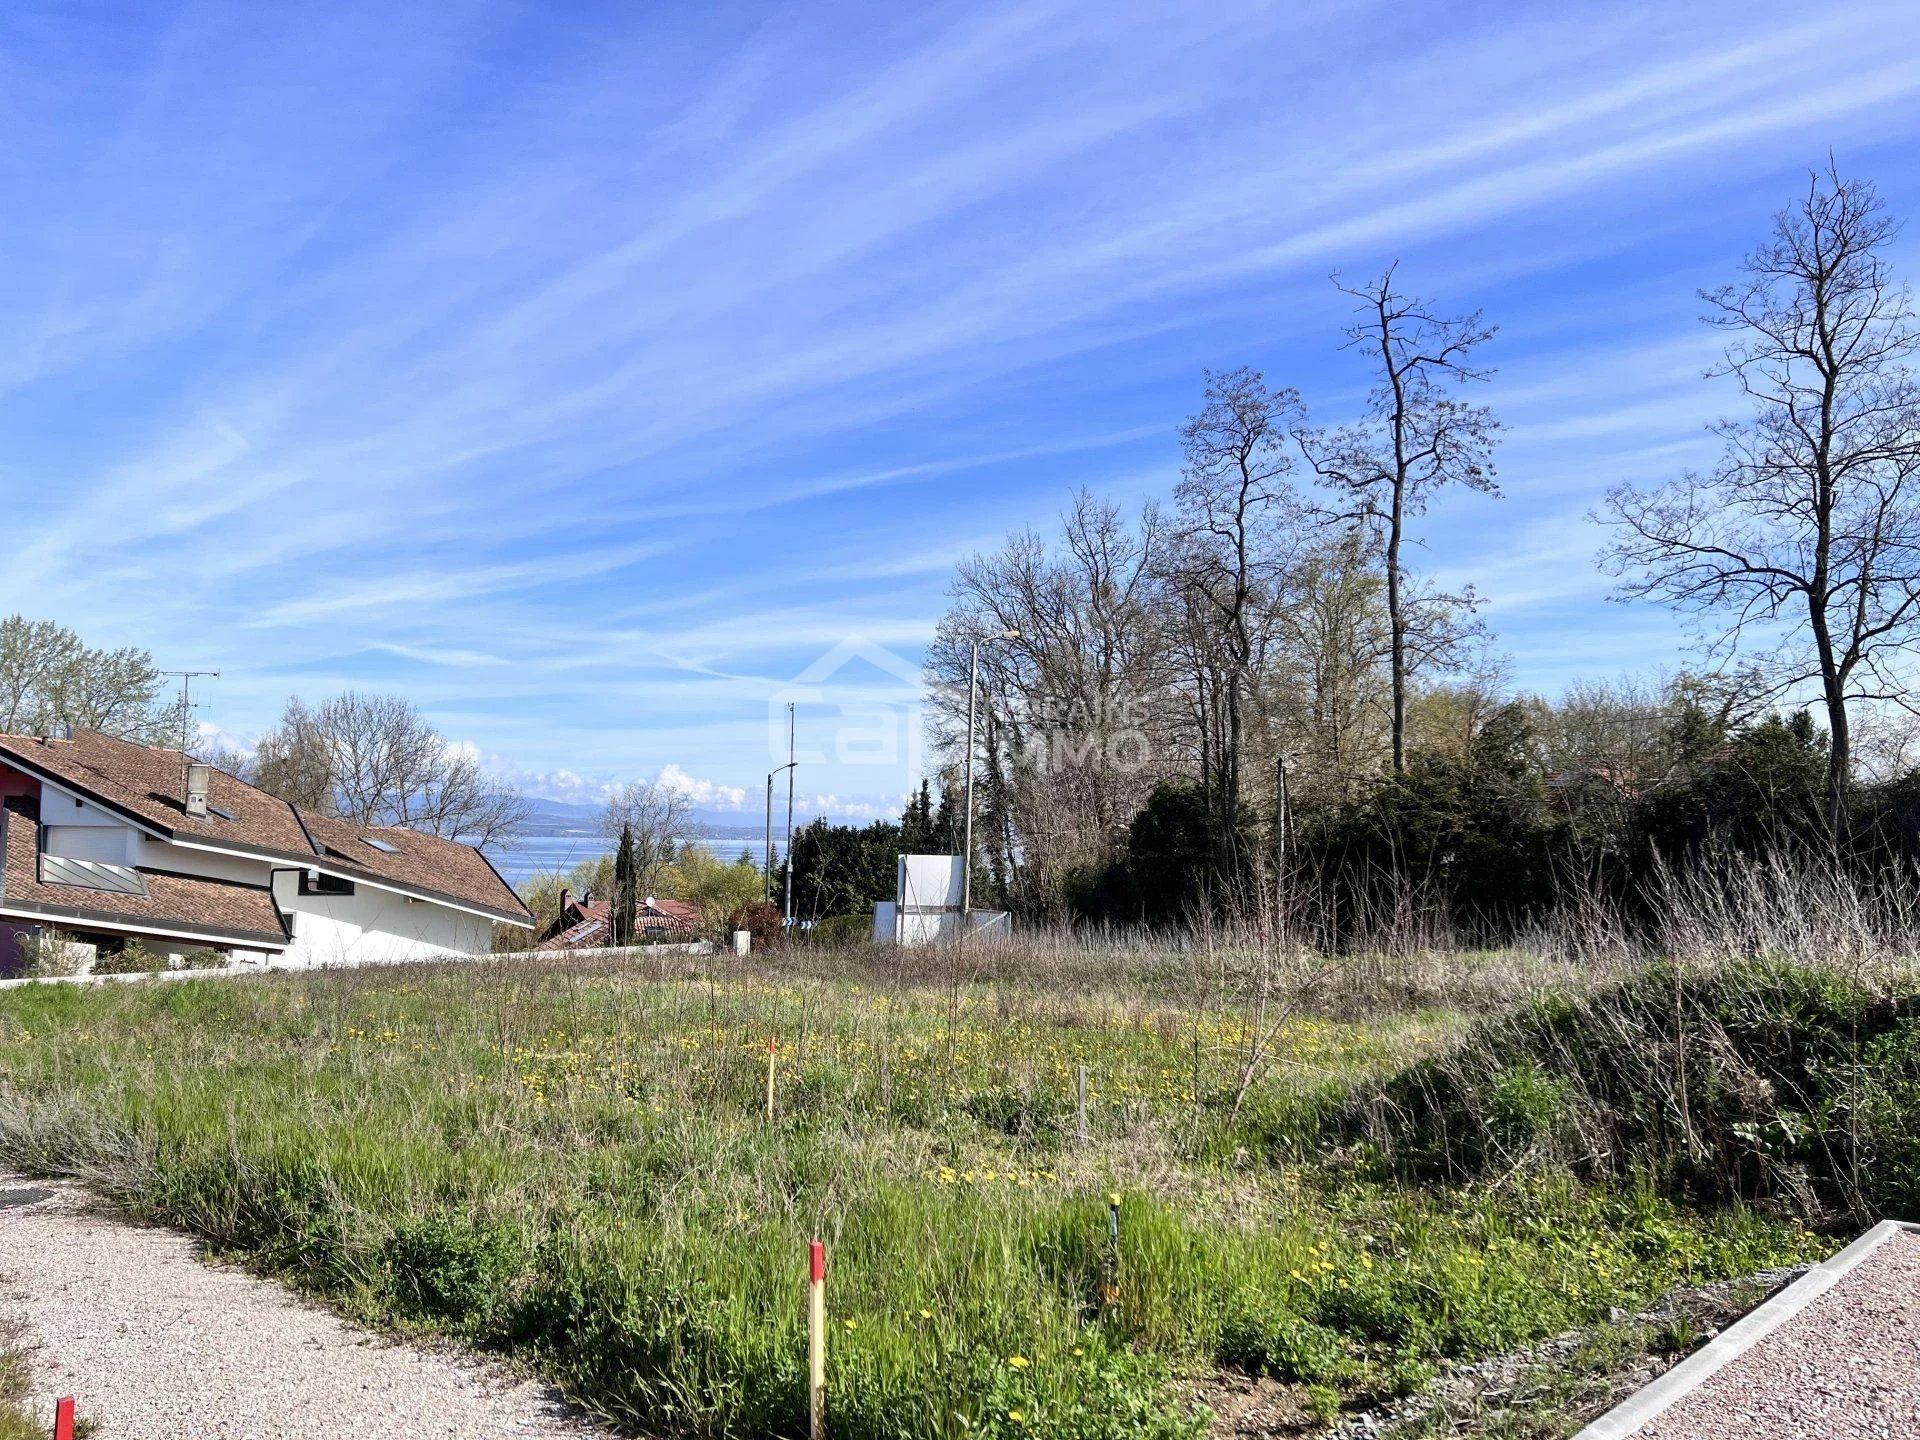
{"x":187,"y":677}
{"x":787,"y":908}
{"x":766,"y":889}
{"x":966,"y":863}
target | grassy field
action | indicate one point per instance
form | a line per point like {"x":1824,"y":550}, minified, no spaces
{"x":572,"y":1163}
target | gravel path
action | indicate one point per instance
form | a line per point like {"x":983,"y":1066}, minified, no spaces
{"x":159,"y":1345}
{"x":1844,"y":1368}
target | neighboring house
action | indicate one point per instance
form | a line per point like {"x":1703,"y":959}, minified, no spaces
{"x":587,"y":924}
{"x":105,"y":841}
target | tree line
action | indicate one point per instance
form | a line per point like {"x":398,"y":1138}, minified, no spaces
{"x":1249,"y":682}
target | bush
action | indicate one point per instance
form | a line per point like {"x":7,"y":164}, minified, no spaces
{"x":842,"y":930}
{"x":1264,"y":1337}
{"x":763,"y":920}
{"x":131,"y":959}
{"x":48,"y":953}
{"x":451,"y":1269}
{"x":203,"y":957}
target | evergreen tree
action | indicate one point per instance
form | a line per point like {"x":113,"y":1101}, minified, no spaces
{"x":916,"y":824}
{"x":946,"y":824}
{"x":626,"y":903}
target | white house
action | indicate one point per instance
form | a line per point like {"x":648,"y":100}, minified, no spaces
{"x":107,"y":841}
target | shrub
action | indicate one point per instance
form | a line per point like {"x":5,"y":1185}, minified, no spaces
{"x":842,"y":930}
{"x":48,"y":953}
{"x":1264,"y":1337}
{"x":203,"y":957}
{"x":131,"y":959}
{"x":763,"y":920}
{"x":451,"y":1269}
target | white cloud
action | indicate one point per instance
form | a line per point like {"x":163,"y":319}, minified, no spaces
{"x":703,"y":792}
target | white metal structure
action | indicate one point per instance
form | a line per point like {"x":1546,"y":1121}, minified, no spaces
{"x":929,"y":899}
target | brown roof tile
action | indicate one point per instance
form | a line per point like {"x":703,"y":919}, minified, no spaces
{"x":185,"y":904}
{"x":427,"y":864}
{"x":147,"y":785}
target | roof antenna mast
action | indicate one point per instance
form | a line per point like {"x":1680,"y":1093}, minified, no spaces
{"x":187,"y":677}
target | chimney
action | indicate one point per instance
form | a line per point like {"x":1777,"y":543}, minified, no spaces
{"x":565,"y":896}
{"x":199,"y":780}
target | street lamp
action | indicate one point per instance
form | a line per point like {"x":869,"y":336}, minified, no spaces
{"x":766,"y":888}
{"x":966,"y":864}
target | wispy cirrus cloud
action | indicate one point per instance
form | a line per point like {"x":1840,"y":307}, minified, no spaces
{"x":587,"y":380}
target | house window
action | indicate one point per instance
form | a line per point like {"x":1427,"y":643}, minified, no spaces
{"x":318,"y":882}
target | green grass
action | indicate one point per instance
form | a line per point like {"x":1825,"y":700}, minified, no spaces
{"x":16,"y":1423}
{"x":573,"y":1165}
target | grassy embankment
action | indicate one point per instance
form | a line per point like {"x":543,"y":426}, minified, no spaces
{"x":573,"y":1164}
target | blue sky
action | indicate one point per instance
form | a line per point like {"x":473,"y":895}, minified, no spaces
{"x":588,"y":372}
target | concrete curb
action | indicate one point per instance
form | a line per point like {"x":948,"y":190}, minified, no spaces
{"x":1643,"y":1405}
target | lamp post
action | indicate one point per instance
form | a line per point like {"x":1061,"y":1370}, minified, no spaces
{"x":966,"y":862}
{"x":786,"y":917}
{"x":766,"y":888}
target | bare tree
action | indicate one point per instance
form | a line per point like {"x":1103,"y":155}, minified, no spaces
{"x":1072,"y":734}
{"x":294,"y":762}
{"x":657,"y":818}
{"x":375,"y":760}
{"x":1417,"y":436}
{"x":1233,"y":500}
{"x":1806,"y":536}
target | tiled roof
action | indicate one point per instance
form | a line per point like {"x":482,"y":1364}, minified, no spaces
{"x":183,"y":905}
{"x":146,"y":785}
{"x":424,"y":864}
{"x":592,"y":923}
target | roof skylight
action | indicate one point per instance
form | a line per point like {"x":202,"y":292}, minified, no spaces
{"x":387,"y":846}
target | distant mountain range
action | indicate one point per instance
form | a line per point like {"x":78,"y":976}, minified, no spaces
{"x":564,"y":817}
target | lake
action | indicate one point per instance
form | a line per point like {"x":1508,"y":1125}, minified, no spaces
{"x":525,"y":856}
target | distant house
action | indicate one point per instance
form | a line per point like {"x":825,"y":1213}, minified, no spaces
{"x":585,"y":923}
{"x":108,"y":842}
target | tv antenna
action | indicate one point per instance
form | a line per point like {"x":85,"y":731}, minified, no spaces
{"x":187,"y":677}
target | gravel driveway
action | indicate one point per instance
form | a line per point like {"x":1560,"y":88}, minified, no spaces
{"x":1845,"y":1368}
{"x":159,"y":1345}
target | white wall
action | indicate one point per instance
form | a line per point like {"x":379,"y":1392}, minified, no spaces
{"x":373,"y":927}
{"x":79,"y":830}
{"x":183,"y":860}
{"x":369,"y":926}
{"x":108,"y":844}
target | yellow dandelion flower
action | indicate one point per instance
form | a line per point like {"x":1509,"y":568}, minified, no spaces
{"x":1016,"y":1417}
{"x":1018,"y":1362}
